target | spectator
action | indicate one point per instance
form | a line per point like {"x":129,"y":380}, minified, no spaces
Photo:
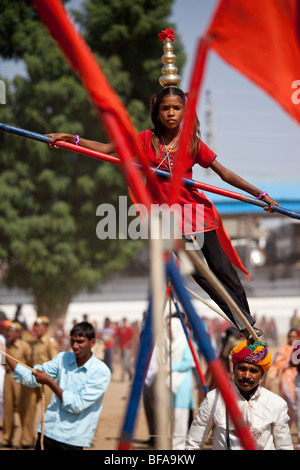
{"x":125,"y":335}
{"x":107,"y":335}
{"x":284,"y":370}
{"x":181,"y":370}
{"x":265,"y":411}
{"x":14,"y":393}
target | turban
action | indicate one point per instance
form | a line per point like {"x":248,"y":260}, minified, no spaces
{"x":6,"y":323}
{"x":42,"y":321}
{"x":256,"y":353}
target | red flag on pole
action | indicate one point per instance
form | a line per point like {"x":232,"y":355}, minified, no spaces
{"x":111,"y":110}
{"x":262,"y":40}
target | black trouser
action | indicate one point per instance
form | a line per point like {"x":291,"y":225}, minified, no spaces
{"x":222,"y":268}
{"x":51,"y":444}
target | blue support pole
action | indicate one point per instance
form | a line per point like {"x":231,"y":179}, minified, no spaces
{"x":143,"y":359}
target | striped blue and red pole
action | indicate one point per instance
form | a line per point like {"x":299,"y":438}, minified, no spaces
{"x":163,"y":174}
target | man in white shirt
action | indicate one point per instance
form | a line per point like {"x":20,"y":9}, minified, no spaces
{"x":264,"y":411}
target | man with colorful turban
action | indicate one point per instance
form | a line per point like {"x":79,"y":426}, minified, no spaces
{"x":264,"y":411}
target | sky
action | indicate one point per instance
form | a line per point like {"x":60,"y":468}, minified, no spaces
{"x":252,"y":135}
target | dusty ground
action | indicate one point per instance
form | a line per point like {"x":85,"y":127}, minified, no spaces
{"x":112,"y":416}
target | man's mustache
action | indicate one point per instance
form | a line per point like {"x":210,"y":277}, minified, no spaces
{"x":246,"y":381}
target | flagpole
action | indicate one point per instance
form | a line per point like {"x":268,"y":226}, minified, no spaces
{"x":162,"y":173}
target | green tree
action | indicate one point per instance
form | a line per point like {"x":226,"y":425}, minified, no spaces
{"x":48,"y":198}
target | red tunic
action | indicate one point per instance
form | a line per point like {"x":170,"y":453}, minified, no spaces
{"x":200,"y":217}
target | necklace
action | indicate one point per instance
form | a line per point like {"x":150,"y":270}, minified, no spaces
{"x":173,"y":142}
{"x":167,"y":152}
{"x":167,"y":155}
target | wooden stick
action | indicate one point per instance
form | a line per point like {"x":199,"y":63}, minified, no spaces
{"x":212,"y":307}
{"x":204,"y":269}
{"x":158,"y":294}
{"x":17,"y":360}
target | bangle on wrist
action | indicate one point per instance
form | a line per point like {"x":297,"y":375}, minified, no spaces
{"x":262,"y":195}
{"x":77,"y":139}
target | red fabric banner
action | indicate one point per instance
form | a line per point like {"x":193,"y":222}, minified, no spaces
{"x":111,"y":110}
{"x":261,"y":38}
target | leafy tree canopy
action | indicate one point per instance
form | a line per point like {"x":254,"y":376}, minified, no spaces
{"x":48,"y":198}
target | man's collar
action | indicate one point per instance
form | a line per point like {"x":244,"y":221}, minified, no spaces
{"x":253,"y":395}
{"x":85,"y":365}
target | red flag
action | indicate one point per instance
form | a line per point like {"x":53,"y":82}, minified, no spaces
{"x":112,"y":111}
{"x":261,"y":38}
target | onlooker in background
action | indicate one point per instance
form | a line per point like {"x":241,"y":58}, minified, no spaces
{"x":283,"y":369}
{"x":271,"y":333}
{"x":107,"y":335}
{"x":125,"y":335}
{"x":264,"y":411}
{"x":61,"y":336}
{"x":44,"y":349}
{"x":295,"y":320}
{"x":14,"y":392}
{"x":181,"y":380}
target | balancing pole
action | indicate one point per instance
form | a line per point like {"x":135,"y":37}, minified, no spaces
{"x":162,"y":173}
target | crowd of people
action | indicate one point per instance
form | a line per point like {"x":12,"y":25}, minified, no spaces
{"x":116,"y":345}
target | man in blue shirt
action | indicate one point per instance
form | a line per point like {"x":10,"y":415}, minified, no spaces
{"x":79,"y":381}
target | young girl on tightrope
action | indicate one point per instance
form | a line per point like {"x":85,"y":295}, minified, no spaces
{"x":161,"y":144}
